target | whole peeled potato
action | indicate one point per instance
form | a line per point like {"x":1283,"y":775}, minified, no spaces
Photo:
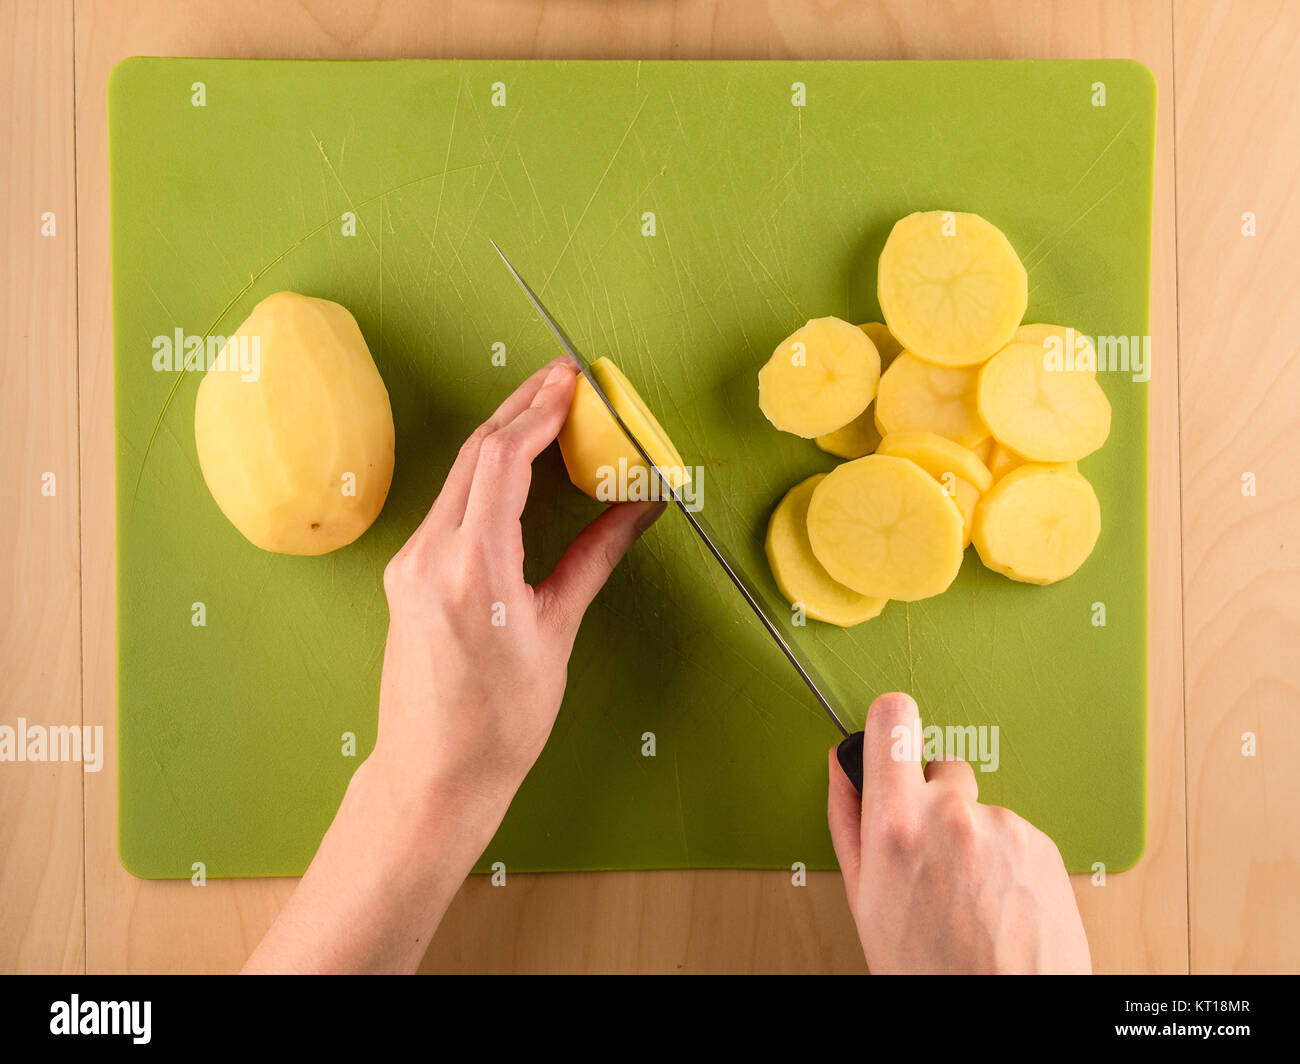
{"x":294,"y":429}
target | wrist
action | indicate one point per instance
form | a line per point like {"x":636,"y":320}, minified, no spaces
{"x":434,"y":809}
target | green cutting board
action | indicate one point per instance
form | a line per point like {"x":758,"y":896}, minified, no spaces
{"x":231,"y":180}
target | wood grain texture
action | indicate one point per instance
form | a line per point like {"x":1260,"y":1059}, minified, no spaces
{"x":663,"y":921}
{"x":1239,"y":316}
{"x":41,"y":903}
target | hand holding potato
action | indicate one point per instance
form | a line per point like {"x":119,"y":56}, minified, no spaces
{"x":474,"y":670}
{"x":938,"y":883}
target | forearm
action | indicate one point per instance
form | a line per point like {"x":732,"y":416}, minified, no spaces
{"x":382,"y":879}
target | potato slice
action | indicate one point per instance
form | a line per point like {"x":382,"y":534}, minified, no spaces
{"x":938,"y":456}
{"x":1075,"y":350}
{"x":961,"y":475}
{"x":951,"y":287}
{"x":885,"y":528}
{"x":984,"y":450}
{"x":859,"y":437}
{"x":599,"y":457}
{"x":1038,"y":524}
{"x":887,"y":345}
{"x":800,"y":575}
{"x":918,"y":396}
{"x":1003,"y":460}
{"x":819,"y":378}
{"x":1046,"y":415}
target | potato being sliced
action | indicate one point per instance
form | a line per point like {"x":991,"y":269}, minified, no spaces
{"x":1075,"y":350}
{"x":595,"y":449}
{"x":800,"y":575}
{"x":951,"y":287}
{"x":1038,"y":524}
{"x":916,"y":396}
{"x":819,"y":378}
{"x":1046,"y":415}
{"x":938,"y":456}
{"x":885,"y":528}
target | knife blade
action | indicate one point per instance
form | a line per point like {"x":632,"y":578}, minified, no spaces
{"x":849,"y":752}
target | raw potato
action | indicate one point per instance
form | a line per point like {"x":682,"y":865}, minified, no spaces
{"x":861,"y":435}
{"x":1046,"y":415}
{"x":1003,"y":460}
{"x":887,"y":345}
{"x":938,"y":456}
{"x":951,"y":287}
{"x":599,"y":457}
{"x":800,"y":575}
{"x":917,"y":396}
{"x":819,"y":378}
{"x":885,"y":528}
{"x":299,"y":456}
{"x":1038,"y":524}
{"x":1075,"y":349}
{"x":984,"y":450}
{"x":961,"y":475}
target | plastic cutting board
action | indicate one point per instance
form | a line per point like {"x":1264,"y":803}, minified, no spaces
{"x":230,"y":181}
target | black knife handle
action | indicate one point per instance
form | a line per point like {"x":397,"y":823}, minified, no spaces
{"x":849,"y":753}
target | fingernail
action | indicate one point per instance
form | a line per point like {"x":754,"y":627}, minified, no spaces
{"x":558,"y":373}
{"x":650,"y":516}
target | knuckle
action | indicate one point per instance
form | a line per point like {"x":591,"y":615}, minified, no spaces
{"x":896,"y":832}
{"x":955,"y":817}
{"x":498,"y":449}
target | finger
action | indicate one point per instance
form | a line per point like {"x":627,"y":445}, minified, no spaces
{"x":563,"y":597}
{"x":450,"y":503}
{"x":891,"y":749}
{"x":844,"y":817}
{"x":499,"y":487}
{"x":955,"y":773}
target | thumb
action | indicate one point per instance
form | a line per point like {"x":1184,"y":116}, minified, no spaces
{"x":583,"y":569}
{"x":844,"y":817}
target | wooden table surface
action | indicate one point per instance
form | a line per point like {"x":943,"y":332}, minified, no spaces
{"x":1217,"y":889}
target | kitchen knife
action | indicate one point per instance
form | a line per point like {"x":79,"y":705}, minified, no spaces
{"x":849,"y":751}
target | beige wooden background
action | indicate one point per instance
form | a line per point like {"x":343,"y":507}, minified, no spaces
{"x":1217,"y":888}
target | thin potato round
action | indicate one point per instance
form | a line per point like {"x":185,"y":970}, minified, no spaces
{"x":800,"y":575}
{"x":1044,"y":414}
{"x":938,"y":456}
{"x":819,"y":378}
{"x":885,"y":528}
{"x":951,"y":287}
{"x":1002,"y":460}
{"x":859,"y":437}
{"x":887,"y":346}
{"x":984,"y":450}
{"x":1038,"y":524}
{"x":915,"y":396}
{"x":1074,"y":349}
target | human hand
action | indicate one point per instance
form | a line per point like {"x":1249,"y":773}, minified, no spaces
{"x":476,"y":659}
{"x":938,"y":883}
